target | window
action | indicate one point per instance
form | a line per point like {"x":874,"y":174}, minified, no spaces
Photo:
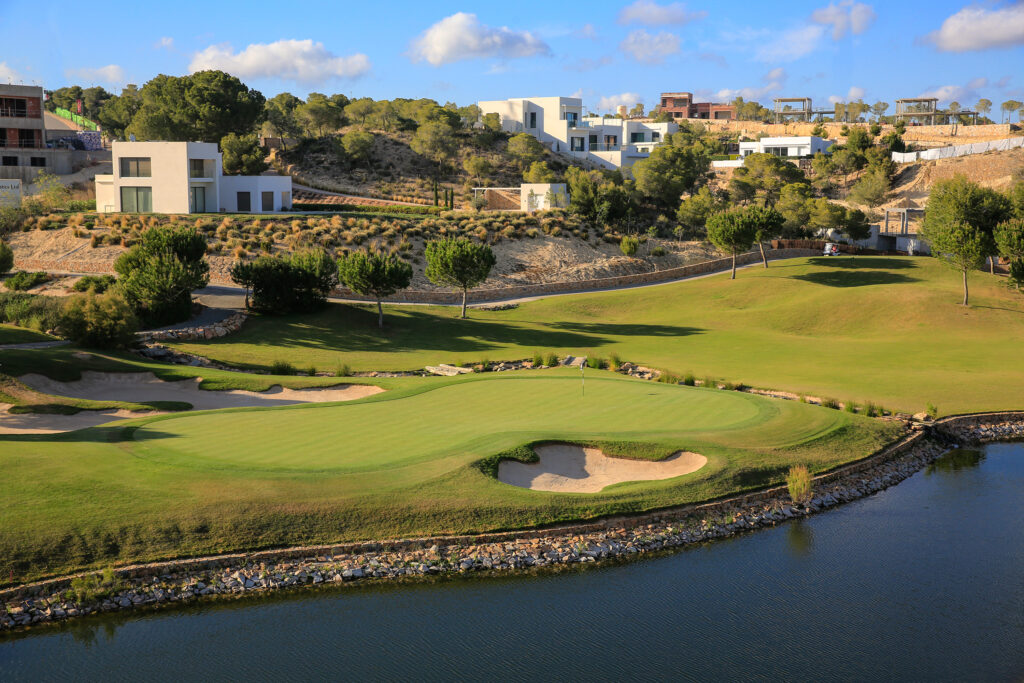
{"x":197,"y":168}
{"x":244,"y":201}
{"x":12,"y":106}
{"x":655,"y":136}
{"x":533,"y":119}
{"x":136,"y":199}
{"x":572,"y":118}
{"x":576,"y":144}
{"x":38,"y":162}
{"x":136,"y":167}
{"x":593,"y":140}
{"x":9,"y":161}
{"x":197,"y":199}
{"x":286,"y":201}
{"x":636,"y":137}
{"x":267,"y":203}
{"x":26,"y":138}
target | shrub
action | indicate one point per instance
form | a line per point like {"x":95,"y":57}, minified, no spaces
{"x":37,"y":312}
{"x":710,"y":383}
{"x":871,"y":410}
{"x":668,"y":378}
{"x":552,"y":360}
{"x":689,"y":380}
{"x":614,"y":362}
{"x":282,"y":367}
{"x":628,"y":245}
{"x":932,"y":411}
{"x":103,"y":321}
{"x":311,"y":371}
{"x":798,"y":481}
{"x":94,"y":283}
{"x":6,"y":257}
{"x":24,"y":280}
{"x":343,"y":370}
{"x":287,"y":283}
{"x":538,"y":359}
{"x":92,"y":588}
{"x":595,"y":362}
{"x":830,"y":403}
{"x":658,"y":251}
{"x":850,"y":407}
{"x":396,"y":209}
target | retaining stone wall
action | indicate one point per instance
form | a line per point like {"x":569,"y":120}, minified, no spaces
{"x":230,"y":324}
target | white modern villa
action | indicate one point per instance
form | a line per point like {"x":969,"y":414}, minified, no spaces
{"x":184,"y":177}
{"x":794,"y":147}
{"x":559,"y":123}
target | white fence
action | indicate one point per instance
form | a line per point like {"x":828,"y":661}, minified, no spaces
{"x":959,"y":150}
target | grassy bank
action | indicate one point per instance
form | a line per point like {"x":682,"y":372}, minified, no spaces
{"x":888,"y":330}
{"x":12,"y":334}
{"x":406,"y":462}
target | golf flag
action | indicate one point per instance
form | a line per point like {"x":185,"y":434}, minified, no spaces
{"x":583,"y":378}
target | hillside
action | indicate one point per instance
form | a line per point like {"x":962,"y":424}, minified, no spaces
{"x":997,"y":170}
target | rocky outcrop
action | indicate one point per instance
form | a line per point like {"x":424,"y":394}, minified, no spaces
{"x":230,"y":324}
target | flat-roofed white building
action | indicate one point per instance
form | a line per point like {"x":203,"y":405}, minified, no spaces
{"x":795,"y":147}
{"x":559,"y":123}
{"x":184,"y":177}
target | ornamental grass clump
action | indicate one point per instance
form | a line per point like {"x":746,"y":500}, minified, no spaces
{"x":689,"y":380}
{"x":282,"y":367}
{"x":798,"y":481}
{"x":538,"y":359}
{"x":552,"y":360}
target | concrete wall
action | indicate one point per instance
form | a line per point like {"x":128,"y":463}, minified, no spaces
{"x":10,"y":193}
{"x":231,"y":185}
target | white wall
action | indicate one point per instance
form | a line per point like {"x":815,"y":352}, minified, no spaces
{"x":231,"y":185}
{"x":534,"y":196}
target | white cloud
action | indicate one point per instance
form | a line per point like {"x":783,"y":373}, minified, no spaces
{"x":110,"y":74}
{"x":302,"y":61}
{"x":844,"y":16}
{"x":649,"y":13}
{"x":462,"y":36}
{"x":773,"y":82}
{"x":855,"y":93}
{"x":649,"y":48}
{"x":960,"y":93}
{"x":8,"y":74}
{"x":608,"y":103}
{"x":1003,"y":82}
{"x":165,"y":42}
{"x":792,"y":44}
{"x":587,"y":31}
{"x":978,"y":28}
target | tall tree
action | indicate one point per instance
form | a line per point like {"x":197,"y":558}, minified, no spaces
{"x":458,"y":262}
{"x":204,"y":106}
{"x":374,"y":274}
{"x":1009,"y":237}
{"x":281,"y":118}
{"x":767,"y":224}
{"x":242,"y":154}
{"x":984,"y":106}
{"x":319,"y":115}
{"x":958,"y":244}
{"x":358,"y":145}
{"x":117,"y":113}
{"x":792,"y":205}
{"x":878,"y":109}
{"x":360,"y":110}
{"x":673,"y":168}
{"x":435,"y":140}
{"x":732,"y":232}
{"x":762,"y":177}
{"x":961,"y":200}
{"x":525,"y":149}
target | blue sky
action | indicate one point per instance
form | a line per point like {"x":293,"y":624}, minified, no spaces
{"x":606,"y":52}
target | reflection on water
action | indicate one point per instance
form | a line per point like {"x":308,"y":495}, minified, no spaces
{"x":800,"y":537}
{"x":923,"y":581}
{"x":954,"y":461}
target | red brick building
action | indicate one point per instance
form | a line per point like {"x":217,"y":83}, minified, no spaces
{"x":23,"y":150}
{"x":680,"y":105}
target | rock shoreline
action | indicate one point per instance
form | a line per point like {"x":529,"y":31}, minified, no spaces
{"x":183,"y":581}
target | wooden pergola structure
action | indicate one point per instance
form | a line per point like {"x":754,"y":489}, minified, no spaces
{"x":785,"y":110}
{"x":901,"y":219}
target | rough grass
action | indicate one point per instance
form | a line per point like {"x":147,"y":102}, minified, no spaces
{"x":887,"y":329}
{"x":12,"y":334}
{"x":252,"y":478}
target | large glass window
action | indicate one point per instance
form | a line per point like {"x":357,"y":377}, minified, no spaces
{"x":197,"y":168}
{"x":197,"y":199}
{"x":572,"y":117}
{"x":13,"y":106}
{"x":533,"y":119}
{"x":136,"y":167}
{"x":576,"y":144}
{"x":636,"y":137}
{"x":137,"y":199}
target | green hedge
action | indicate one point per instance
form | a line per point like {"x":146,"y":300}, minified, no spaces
{"x":368,"y":208}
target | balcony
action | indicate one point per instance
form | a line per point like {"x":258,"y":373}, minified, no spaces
{"x":20,"y":144}
{"x":16,"y":113}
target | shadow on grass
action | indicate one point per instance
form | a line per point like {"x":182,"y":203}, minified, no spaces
{"x":630,"y":330}
{"x":855,"y":279}
{"x":90,"y":435}
{"x":862,"y":262}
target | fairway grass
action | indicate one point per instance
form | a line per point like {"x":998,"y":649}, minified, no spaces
{"x":416,"y":460}
{"x":884,"y":329}
{"x":12,"y":334}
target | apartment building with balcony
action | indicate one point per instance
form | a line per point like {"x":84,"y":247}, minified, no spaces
{"x":184,"y":177}
{"x":23,"y":150}
{"x":560,"y":124}
{"x":680,"y":105}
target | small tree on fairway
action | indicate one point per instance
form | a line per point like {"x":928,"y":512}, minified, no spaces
{"x":960,"y":245}
{"x":374,"y":274}
{"x":767,"y":224}
{"x":157,"y":276}
{"x":459,"y":262}
{"x":856,"y":226}
{"x":1009,"y":237}
{"x":732,"y":232}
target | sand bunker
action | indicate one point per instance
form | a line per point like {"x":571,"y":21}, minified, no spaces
{"x":574,"y":469}
{"x":144,"y":386}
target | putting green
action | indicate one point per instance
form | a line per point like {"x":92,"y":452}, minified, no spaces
{"x":443,"y":422}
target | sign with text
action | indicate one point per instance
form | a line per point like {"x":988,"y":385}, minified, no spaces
{"x":10,"y":192}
